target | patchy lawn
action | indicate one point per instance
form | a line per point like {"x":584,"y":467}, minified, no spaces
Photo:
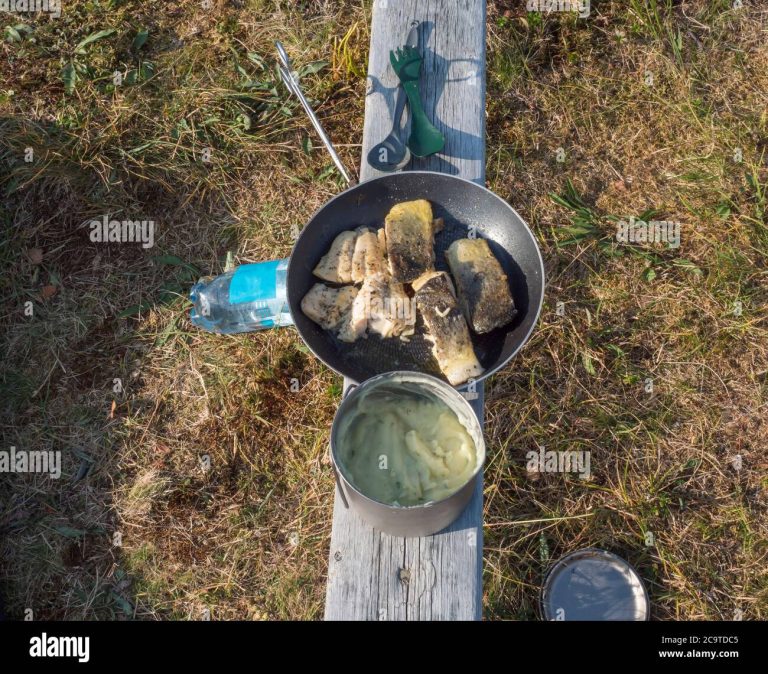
{"x":655,"y":359}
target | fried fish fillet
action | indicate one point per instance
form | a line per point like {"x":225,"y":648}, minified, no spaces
{"x":329,"y":307}
{"x":483,"y":287}
{"x":368,"y":258}
{"x":395,"y":314}
{"x":354,"y":324}
{"x":410,"y":233}
{"x":383,"y":307}
{"x":336,"y":265}
{"x":447,"y":329}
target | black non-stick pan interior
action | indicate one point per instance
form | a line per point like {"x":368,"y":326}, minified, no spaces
{"x":461,"y":204}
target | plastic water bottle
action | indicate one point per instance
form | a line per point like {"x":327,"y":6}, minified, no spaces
{"x":251,"y":297}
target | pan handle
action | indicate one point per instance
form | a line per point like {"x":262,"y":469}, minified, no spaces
{"x":293,"y":86}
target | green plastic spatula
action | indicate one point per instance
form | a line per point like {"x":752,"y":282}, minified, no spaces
{"x":425,"y":139}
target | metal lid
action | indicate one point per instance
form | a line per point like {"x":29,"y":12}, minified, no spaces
{"x":593,"y":584}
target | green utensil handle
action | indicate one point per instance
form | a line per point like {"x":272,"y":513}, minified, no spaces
{"x":423,"y":132}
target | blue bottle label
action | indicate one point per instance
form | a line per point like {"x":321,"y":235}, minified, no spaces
{"x":254,"y":282}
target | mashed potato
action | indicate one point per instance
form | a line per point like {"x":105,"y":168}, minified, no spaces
{"x":404,"y":448}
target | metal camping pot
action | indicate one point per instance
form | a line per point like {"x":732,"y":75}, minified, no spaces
{"x":415,"y":520}
{"x":594,"y":584}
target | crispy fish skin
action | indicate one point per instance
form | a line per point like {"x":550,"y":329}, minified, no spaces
{"x":410,"y":234}
{"x":336,"y":265}
{"x":447,"y":328}
{"x":483,"y":287}
{"x":328,"y":307}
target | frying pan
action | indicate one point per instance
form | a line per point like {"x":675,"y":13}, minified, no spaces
{"x":462,"y":204}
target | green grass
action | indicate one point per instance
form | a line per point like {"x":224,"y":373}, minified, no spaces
{"x":249,"y":538}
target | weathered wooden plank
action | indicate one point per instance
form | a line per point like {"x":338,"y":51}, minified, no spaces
{"x":373,"y":576}
{"x":453,"y":82}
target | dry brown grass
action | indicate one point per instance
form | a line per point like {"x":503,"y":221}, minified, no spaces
{"x":249,"y":537}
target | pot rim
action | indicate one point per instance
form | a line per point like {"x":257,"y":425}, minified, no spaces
{"x":418,"y":375}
